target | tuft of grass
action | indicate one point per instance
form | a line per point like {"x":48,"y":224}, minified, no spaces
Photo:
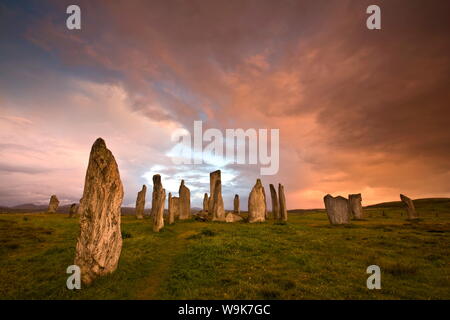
{"x":126,"y":235}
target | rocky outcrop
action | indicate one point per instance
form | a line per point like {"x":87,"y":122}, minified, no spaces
{"x":337,"y":209}
{"x":275,"y":203}
{"x":185,"y":201}
{"x":100,"y":240}
{"x":53,"y":204}
{"x":140,"y":202}
{"x":236,"y":208}
{"x":409,"y":206}
{"x":158,"y":199}
{"x":283,"y":209}
{"x":355,"y":206}
{"x":257,"y":204}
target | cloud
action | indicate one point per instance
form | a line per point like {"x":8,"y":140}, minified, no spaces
{"x":358,"y":110}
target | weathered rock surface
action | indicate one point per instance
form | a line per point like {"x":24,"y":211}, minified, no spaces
{"x":236,"y":210}
{"x":337,"y":209}
{"x":100,"y":240}
{"x":53,"y":204}
{"x":257,"y":203}
{"x":283,"y":209}
{"x":174,"y":208}
{"x":275,"y":203}
{"x":205,"y":203}
{"x":355,"y":206}
{"x":140,"y":202}
{"x":232,"y":217}
{"x":218,"y":210}
{"x":213,"y":177}
{"x":409,"y":206}
{"x":73,"y":210}
{"x":158,"y":199}
{"x":185,"y":201}
{"x":266,"y":212}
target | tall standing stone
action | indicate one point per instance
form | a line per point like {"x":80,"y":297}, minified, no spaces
{"x":140,"y":202}
{"x":213,"y":177}
{"x":185,"y":201}
{"x":173,"y":208}
{"x":205,"y":203}
{"x":409,"y":205}
{"x":73,"y":210}
{"x":283,"y":209}
{"x":100,"y":240}
{"x":337,"y":209}
{"x":275,"y":203}
{"x":236,"y":210}
{"x":355,"y":206}
{"x":218,"y":210}
{"x":53,"y":204}
{"x":257,"y":203}
{"x":176,"y":207}
{"x":158,"y":199}
{"x":266,"y":212}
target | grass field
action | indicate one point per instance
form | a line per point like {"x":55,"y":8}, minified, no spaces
{"x":303,"y":259}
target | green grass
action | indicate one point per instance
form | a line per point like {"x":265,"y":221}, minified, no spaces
{"x":305,"y":258}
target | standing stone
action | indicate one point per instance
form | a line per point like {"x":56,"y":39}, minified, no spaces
{"x":158,"y":199}
{"x":100,"y":240}
{"x":218,"y":210}
{"x":73,"y":210}
{"x":140,"y":202}
{"x":283,"y":209}
{"x":53,"y":204}
{"x":409,"y":205}
{"x":275,"y":204}
{"x":266,"y":212}
{"x":205,"y":203}
{"x":176,"y":207}
{"x":173,"y":208}
{"x":236,"y":205}
{"x":185,"y":201}
{"x":355,"y":206}
{"x":337,"y":209}
{"x":257,"y":203}
{"x":213,"y":177}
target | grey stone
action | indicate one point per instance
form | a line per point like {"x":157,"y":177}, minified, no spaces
{"x":158,"y":200}
{"x":232,"y":217}
{"x":257,"y":207}
{"x":100,"y":240}
{"x":53,"y":204}
{"x":283,"y":209}
{"x":409,"y":206}
{"x":236,"y":210}
{"x":355,"y":206}
{"x":337,"y":209}
{"x":185,"y":201}
{"x":275,"y":203}
{"x":140,"y":202}
{"x":218,"y":210}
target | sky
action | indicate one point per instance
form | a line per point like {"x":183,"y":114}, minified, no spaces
{"x":358,"y":110}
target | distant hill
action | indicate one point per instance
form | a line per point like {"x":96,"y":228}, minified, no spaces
{"x":30,"y":206}
{"x":432,"y":203}
{"x":426,"y":202}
